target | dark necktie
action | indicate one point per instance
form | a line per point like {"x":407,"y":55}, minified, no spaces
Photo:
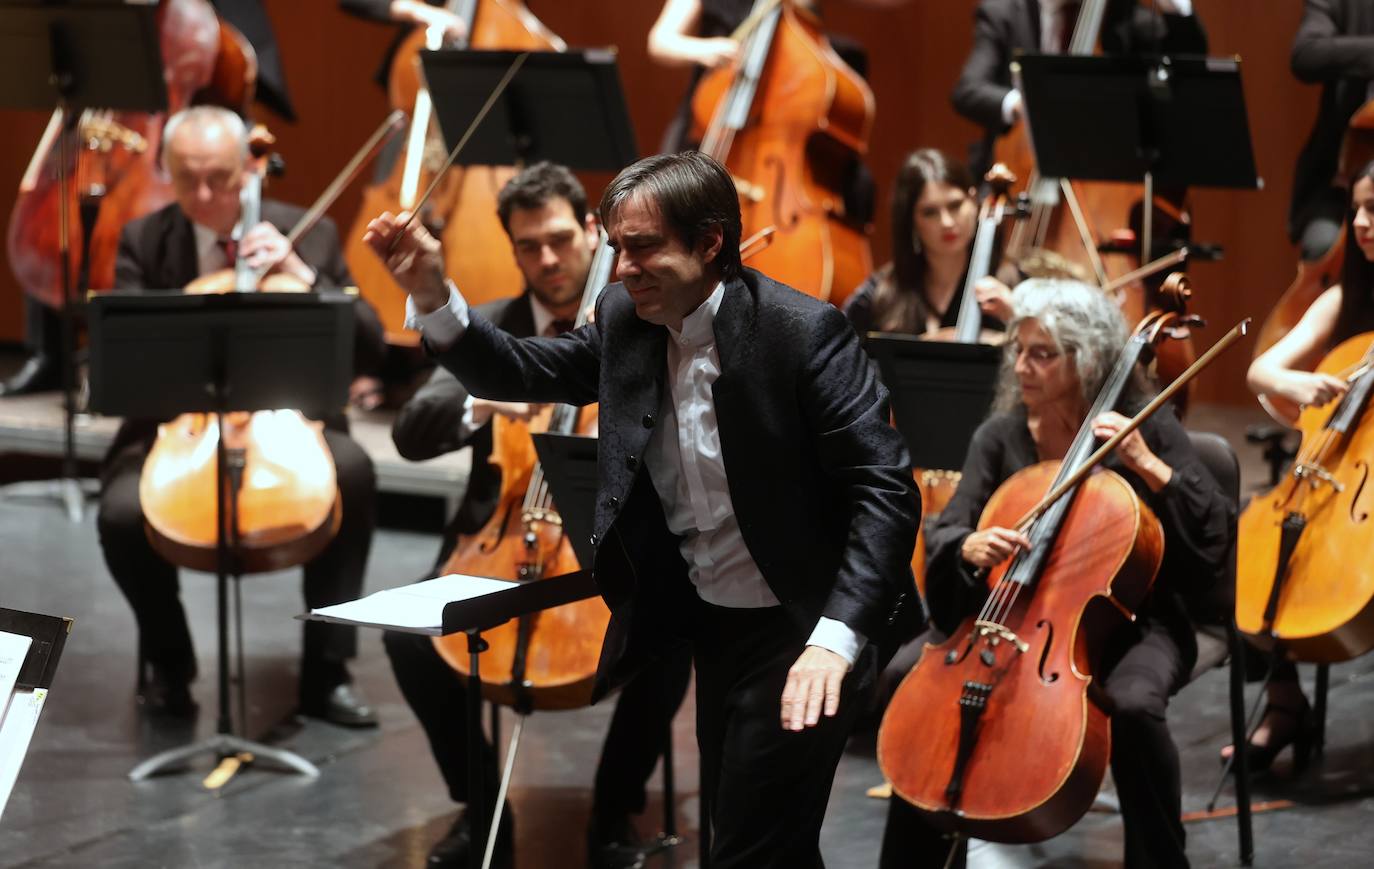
{"x":230,"y":247}
{"x":559,"y":326}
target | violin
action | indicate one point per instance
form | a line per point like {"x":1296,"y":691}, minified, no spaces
{"x":789,"y":119}
{"x":545,"y":660}
{"x":462,"y":212}
{"x":954,"y":741}
{"x":1302,"y":576}
{"x":116,"y":161}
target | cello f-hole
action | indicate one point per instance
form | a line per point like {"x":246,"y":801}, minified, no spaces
{"x":1048,"y":678}
{"x":1357,"y":512}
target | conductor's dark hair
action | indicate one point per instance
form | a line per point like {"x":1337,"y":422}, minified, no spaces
{"x":692,"y":192}
{"x":537,"y":186}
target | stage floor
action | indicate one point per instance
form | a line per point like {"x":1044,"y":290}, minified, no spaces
{"x":379,"y":802}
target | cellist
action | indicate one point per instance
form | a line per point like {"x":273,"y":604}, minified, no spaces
{"x":1063,"y":342}
{"x":934,"y":217}
{"x":205,"y":151}
{"x":553,"y":239}
{"x":984,"y":93}
{"x":1341,"y":312}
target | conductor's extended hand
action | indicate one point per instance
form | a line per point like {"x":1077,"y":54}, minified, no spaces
{"x":813,"y":686}
{"x":413,"y":256}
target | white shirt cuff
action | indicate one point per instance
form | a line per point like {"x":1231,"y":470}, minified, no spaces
{"x":1176,"y":7}
{"x":467,"y":425}
{"x":444,"y":326}
{"x":1009,"y":104}
{"x":839,"y":638}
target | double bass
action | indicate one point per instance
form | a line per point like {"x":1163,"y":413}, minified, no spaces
{"x":789,"y":120}
{"x":545,"y":660}
{"x":1303,"y":578}
{"x":462,"y":212}
{"x":117,"y":172}
{"x":954,"y":741}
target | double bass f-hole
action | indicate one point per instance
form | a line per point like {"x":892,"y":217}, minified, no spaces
{"x":1357,"y":514}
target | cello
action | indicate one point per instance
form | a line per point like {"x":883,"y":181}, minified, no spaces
{"x":462,"y":212}
{"x":117,"y":170}
{"x":546,"y":660}
{"x":954,"y":741}
{"x":284,"y":504}
{"x":788,"y":119}
{"x":1302,"y":578}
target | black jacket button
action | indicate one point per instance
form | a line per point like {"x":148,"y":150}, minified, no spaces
{"x":613,"y":501}
{"x":631,"y":462}
{"x":594,"y":541}
{"x":648,"y":420}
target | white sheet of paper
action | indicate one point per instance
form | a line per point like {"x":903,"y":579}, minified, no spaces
{"x":418,"y":608}
{"x":13,"y":649}
{"x":15,"y":732}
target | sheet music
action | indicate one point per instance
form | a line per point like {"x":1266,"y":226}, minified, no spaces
{"x":417,"y":608}
{"x":15,"y":732}
{"x":13,"y":649}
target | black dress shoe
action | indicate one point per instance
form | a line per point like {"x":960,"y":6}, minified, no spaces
{"x":452,"y":851}
{"x":614,"y":843}
{"x":165,"y":695}
{"x":39,"y":373}
{"x":342,"y":706}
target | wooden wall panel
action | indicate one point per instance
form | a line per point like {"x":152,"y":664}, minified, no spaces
{"x":915,"y":55}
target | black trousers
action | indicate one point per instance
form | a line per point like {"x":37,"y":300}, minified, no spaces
{"x":151,"y":587}
{"x":1144,"y":764}
{"x":634,"y":741}
{"x":766,"y":788}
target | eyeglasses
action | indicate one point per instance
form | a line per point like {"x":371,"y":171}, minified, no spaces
{"x":1040,"y":354}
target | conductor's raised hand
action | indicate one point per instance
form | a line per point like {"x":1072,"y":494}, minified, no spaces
{"x":813,"y":687}
{"x":413,"y":256}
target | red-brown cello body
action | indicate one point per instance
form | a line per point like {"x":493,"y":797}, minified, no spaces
{"x":788,"y":119}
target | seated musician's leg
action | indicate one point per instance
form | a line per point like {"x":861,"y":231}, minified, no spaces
{"x":336,"y":575}
{"x":634,"y":742}
{"x":1145,"y":761}
{"x":150,"y":585}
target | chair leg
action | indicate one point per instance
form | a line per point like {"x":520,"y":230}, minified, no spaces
{"x":1319,"y":706}
{"x":1240,"y":760}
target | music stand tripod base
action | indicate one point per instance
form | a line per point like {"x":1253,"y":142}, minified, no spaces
{"x":223,"y":746}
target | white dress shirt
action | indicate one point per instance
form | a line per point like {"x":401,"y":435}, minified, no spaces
{"x":686,"y":466}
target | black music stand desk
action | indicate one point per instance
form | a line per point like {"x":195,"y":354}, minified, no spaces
{"x":940,"y":393}
{"x":159,"y":354}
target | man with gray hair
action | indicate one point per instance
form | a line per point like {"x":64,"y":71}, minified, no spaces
{"x":205,"y":153}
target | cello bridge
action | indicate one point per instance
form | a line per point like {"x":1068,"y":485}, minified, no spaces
{"x":541,"y":514}
{"x":998,"y":632}
{"x":1322,"y":475}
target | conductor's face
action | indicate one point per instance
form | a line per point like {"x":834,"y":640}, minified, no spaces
{"x":667,"y":279}
{"x":206,"y":163}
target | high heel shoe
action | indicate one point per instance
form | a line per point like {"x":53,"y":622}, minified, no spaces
{"x":1299,"y":732}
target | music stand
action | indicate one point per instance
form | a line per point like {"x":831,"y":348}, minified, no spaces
{"x":566,"y":107}
{"x":569,"y":463}
{"x":216,"y":354}
{"x":956,"y":380}
{"x":76,"y":56}
{"x":1178,"y":121}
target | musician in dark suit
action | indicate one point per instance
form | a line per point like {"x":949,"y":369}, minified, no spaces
{"x":554,"y":239}
{"x":1334,"y":46}
{"x":753,"y":499}
{"x":205,"y":149}
{"x":984,"y":92}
